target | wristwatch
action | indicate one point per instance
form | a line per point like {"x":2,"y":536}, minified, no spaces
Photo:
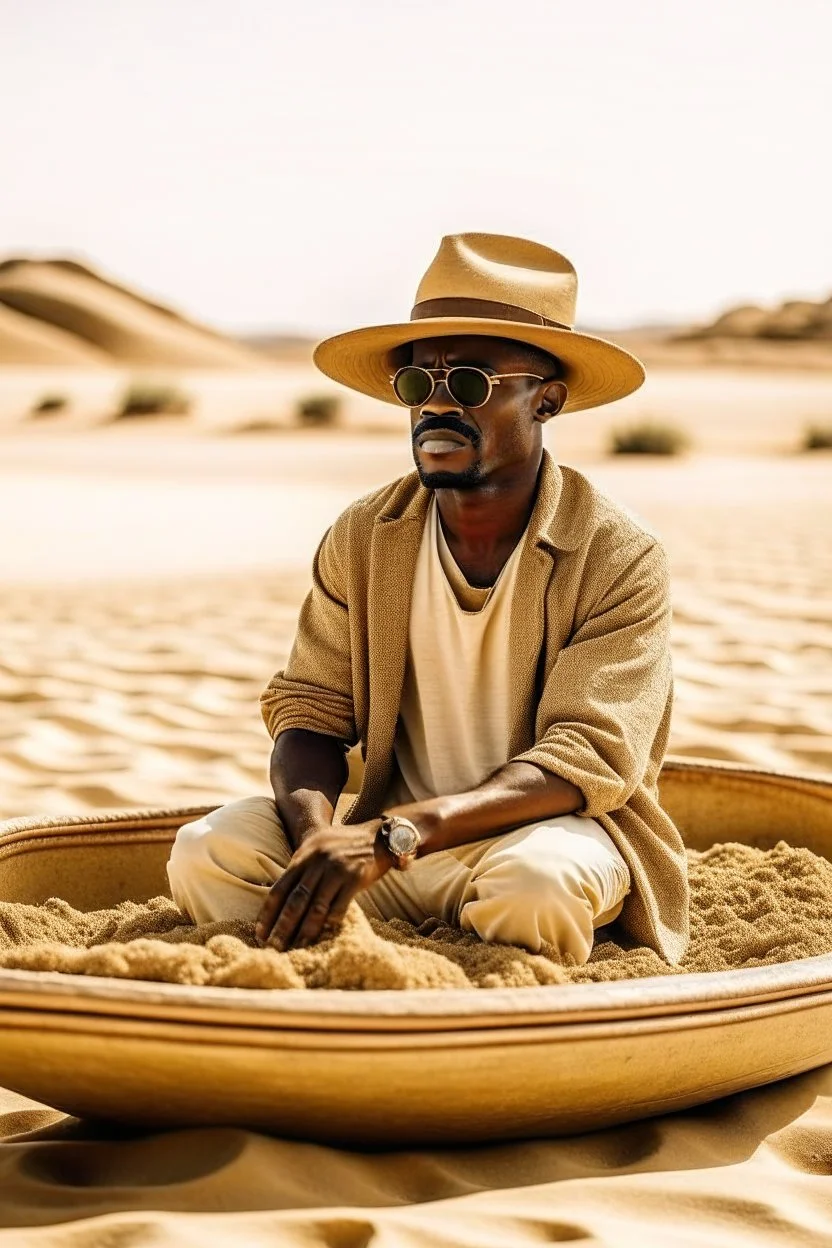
{"x":402,"y":839}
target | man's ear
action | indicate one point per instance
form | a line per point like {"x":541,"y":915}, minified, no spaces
{"x":551,"y":401}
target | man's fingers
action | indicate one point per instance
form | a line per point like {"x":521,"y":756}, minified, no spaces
{"x":279,"y":895}
{"x":274,"y":902}
{"x":294,"y":907}
{"x":319,"y":912}
{"x":337,"y":911}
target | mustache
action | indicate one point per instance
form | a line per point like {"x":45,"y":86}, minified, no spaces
{"x":431,"y":423}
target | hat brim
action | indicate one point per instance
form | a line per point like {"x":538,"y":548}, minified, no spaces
{"x":596,"y":371}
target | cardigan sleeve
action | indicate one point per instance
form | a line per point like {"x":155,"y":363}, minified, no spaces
{"x":610,"y":688}
{"x":315,"y":689}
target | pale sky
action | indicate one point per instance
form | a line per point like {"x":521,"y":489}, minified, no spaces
{"x":260,"y":164}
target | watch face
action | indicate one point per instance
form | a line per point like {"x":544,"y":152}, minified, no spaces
{"x":402,"y":839}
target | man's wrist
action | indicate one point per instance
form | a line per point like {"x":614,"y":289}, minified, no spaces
{"x":302,"y":832}
{"x":426,"y":817}
{"x":300,"y":825}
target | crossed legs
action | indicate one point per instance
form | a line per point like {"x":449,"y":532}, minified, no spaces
{"x":553,"y":882}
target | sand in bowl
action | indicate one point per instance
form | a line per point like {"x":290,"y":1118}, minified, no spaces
{"x":749,"y":907}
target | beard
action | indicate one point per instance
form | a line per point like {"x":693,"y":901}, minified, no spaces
{"x":469,"y":479}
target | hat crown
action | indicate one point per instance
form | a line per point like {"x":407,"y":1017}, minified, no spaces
{"x":506,"y":270}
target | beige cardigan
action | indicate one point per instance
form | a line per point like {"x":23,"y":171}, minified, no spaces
{"x":590,"y":653}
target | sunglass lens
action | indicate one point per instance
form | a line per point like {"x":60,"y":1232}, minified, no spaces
{"x":412,"y":386}
{"x":468,"y":386}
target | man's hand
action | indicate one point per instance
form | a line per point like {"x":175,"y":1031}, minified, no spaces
{"x":331,"y":866}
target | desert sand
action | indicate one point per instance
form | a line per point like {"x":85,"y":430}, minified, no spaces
{"x":152,"y":575}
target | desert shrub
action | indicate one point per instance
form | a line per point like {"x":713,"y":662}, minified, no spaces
{"x":318,"y":410}
{"x":259,"y":424}
{"x":818,"y":438}
{"x":148,"y":398}
{"x":50,"y":403}
{"x":649,"y":438}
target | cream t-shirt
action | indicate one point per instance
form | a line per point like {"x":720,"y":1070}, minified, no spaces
{"x":453,"y":728}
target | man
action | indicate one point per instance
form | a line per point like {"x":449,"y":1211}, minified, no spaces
{"x":494,"y":633}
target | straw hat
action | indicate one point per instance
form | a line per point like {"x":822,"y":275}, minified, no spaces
{"x":500,"y":287}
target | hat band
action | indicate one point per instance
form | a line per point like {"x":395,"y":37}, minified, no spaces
{"x":486,"y":309}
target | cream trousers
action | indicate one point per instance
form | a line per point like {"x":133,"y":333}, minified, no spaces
{"x":555,"y":882}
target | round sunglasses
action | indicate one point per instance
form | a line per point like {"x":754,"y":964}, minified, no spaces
{"x":468,"y":386}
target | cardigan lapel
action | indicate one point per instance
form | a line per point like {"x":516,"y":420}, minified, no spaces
{"x":527,"y":625}
{"x":551,"y":531}
{"x":394,"y":551}
{"x":527,"y":634}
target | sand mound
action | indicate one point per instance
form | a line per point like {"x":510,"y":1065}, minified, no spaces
{"x":795,"y":320}
{"x":104,"y":317}
{"x":821,"y":326}
{"x":749,"y":907}
{"x":25,"y":340}
{"x":746,"y":321}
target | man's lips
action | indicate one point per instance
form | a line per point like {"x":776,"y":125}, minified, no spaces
{"x":441,"y":442}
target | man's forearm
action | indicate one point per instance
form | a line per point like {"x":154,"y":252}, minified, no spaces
{"x":518,"y":793}
{"x":308,"y":771}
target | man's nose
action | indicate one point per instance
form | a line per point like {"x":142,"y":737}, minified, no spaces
{"x":441,"y":402}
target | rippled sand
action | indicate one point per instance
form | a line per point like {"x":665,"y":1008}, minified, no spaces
{"x":125,"y":682}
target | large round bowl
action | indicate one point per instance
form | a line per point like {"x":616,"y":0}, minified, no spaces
{"x":413,"y":1067}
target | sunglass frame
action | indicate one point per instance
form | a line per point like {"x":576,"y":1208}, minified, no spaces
{"x":492,"y":379}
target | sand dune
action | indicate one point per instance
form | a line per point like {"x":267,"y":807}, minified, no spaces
{"x":795,"y":335}
{"x":796,"y":319}
{"x":125,"y":327}
{"x":26,"y":340}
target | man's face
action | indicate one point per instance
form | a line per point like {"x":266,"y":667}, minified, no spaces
{"x":504,"y":433}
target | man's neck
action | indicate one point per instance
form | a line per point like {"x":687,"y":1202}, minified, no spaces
{"x":483,"y":526}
